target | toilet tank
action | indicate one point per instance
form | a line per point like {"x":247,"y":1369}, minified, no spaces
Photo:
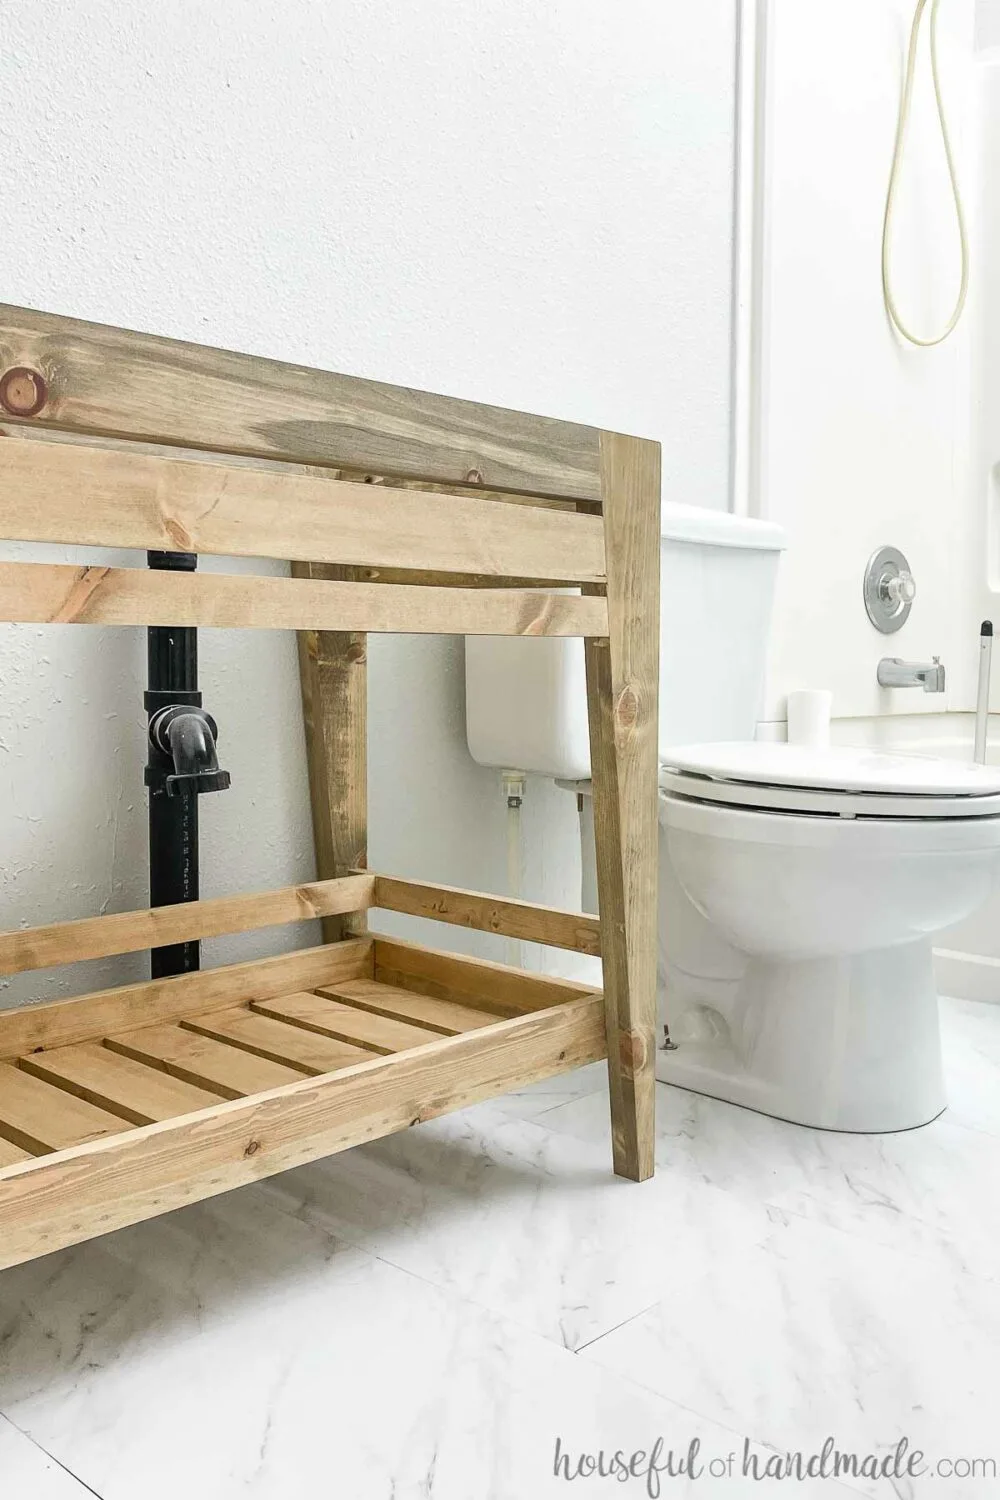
{"x":526,"y":700}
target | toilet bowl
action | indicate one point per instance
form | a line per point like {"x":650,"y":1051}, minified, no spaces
{"x":799,"y":894}
{"x":800,"y":887}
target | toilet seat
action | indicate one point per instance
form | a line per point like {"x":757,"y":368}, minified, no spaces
{"x":836,"y":782}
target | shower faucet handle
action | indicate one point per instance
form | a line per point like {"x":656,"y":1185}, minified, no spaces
{"x":890,"y":589}
{"x":898,"y":588}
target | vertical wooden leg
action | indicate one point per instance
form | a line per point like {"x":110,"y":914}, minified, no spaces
{"x":622,"y":695}
{"x":333,"y":672}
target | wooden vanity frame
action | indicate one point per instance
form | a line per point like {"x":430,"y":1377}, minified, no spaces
{"x":406,"y":512}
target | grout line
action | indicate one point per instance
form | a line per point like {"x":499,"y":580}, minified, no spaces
{"x":51,"y":1456}
{"x":839,"y":1486}
{"x":589,"y":1343}
{"x":302,"y":1215}
{"x":558,"y":1100}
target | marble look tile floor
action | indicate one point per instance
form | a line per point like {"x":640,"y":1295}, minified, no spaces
{"x":423,"y":1318}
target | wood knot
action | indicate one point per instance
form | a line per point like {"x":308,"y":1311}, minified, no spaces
{"x":627,"y":709}
{"x":633,"y":1050}
{"x":474,"y":476}
{"x":23,"y":391}
{"x":251,"y":1148}
{"x":357,"y":653}
{"x":179,"y":537}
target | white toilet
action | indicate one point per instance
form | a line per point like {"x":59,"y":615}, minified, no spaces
{"x":800,"y":889}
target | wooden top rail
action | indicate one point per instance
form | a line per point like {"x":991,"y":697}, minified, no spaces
{"x":85,"y":377}
{"x":120,"y":497}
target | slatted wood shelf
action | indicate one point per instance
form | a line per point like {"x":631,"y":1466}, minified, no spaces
{"x":326,"y":1014}
{"x":113,"y":1081}
{"x":129,"y":1123}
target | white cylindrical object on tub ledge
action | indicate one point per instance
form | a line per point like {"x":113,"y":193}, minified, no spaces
{"x":809,"y":717}
{"x":983,"y":691}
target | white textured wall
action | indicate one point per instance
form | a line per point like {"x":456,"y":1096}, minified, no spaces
{"x":520,"y":203}
{"x":865,"y":438}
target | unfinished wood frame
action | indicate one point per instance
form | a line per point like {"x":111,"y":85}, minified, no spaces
{"x":623,"y":699}
{"x":404,"y":512}
{"x":333,"y":673}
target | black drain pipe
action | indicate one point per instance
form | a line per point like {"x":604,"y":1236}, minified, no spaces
{"x":181,"y":764}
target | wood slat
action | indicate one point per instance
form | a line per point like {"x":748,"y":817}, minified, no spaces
{"x":435,"y":578}
{"x":273,"y":1039}
{"x":80,"y":1019}
{"x":200,"y":1060}
{"x":11,"y":1155}
{"x":325,"y":1013}
{"x":151,"y":1169}
{"x":58,"y":594}
{"x":444,"y":1016}
{"x":40,"y":1117}
{"x":516,"y":919}
{"x":118,"y":497}
{"x":128,"y":932}
{"x":137,"y":385}
{"x":488,"y":986}
{"x":132,"y":1089}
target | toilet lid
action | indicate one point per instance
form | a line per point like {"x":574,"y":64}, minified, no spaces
{"x":838,"y":768}
{"x":839,"y":780}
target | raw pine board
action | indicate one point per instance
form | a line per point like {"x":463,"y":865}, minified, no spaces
{"x":138,"y":1093}
{"x":10,"y":1154}
{"x":325,"y":1013}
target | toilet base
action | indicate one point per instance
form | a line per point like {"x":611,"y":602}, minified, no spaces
{"x":845,"y":1043}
